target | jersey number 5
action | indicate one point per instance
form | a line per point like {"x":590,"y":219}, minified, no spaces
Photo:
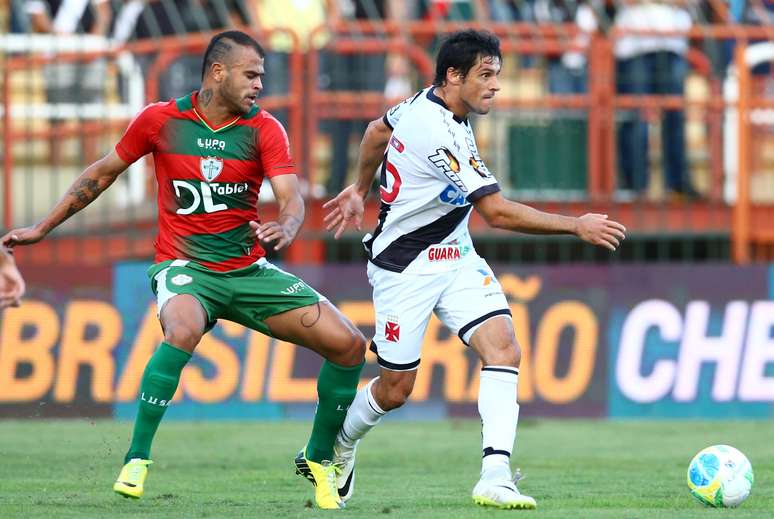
{"x":389,"y":170}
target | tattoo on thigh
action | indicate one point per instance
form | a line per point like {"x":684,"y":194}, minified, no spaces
{"x":308,"y":320}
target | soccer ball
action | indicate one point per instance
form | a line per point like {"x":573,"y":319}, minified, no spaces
{"x":720,"y":476}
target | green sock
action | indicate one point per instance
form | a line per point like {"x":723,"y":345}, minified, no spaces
{"x":336,"y":388}
{"x":158,"y":386}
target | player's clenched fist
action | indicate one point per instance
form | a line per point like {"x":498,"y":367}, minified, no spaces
{"x":272,"y":231}
{"x":598,"y":230}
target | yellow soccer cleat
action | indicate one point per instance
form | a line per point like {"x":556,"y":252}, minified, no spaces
{"x":323,"y":477}
{"x":132,"y":477}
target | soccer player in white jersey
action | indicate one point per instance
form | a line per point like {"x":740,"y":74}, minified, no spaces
{"x":422,"y":259}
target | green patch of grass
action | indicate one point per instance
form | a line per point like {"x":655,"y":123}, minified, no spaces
{"x":575,"y":469}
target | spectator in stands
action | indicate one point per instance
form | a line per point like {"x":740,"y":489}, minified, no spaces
{"x":510,"y":10}
{"x":11,"y":282}
{"x":568,"y":73}
{"x":300,"y":16}
{"x":653,"y":64}
{"x":18,"y":21}
{"x":160,"y":18}
{"x":71,"y":82}
{"x":359,"y":73}
{"x":751,"y":12}
{"x":452,"y":10}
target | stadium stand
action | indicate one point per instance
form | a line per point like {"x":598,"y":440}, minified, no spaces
{"x":556,"y":149}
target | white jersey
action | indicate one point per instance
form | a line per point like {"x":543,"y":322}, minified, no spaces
{"x":431,"y":174}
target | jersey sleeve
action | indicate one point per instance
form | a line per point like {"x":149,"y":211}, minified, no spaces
{"x":456,"y":159}
{"x":141,"y":136}
{"x":274,"y":149}
{"x":394,"y":114}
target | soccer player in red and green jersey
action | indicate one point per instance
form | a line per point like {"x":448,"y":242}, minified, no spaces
{"x":212,"y":150}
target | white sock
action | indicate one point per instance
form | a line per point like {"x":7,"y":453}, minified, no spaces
{"x":499,"y":410}
{"x":362,"y":415}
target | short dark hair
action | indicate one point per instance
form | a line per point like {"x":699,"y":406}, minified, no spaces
{"x":220,"y":46}
{"x":461,"y":51}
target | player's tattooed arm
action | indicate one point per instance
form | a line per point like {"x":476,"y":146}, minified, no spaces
{"x":83,"y":192}
{"x":291,"y":223}
{"x":291,"y":213}
{"x":86,"y":188}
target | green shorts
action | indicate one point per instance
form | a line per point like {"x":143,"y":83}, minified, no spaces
{"x":246,"y":296}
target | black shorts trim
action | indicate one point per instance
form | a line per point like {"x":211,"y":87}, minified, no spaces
{"x":410,"y":366}
{"x":471,"y":324}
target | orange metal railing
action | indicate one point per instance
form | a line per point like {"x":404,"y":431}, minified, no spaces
{"x":307,"y":105}
{"x":168,"y":50}
{"x":741,"y":229}
{"x":753,"y":229}
{"x":600,"y":103}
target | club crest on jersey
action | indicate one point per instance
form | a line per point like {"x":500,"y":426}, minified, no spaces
{"x":448,"y":163}
{"x":210,"y":167}
{"x":392,"y":329}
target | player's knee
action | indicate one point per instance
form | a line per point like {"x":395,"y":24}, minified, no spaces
{"x":182,"y":336}
{"x":503,"y":353}
{"x":351,"y":348}
{"x":395,"y":395}
{"x":357,"y":347}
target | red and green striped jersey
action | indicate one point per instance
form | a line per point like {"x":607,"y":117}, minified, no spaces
{"x":208,"y":178}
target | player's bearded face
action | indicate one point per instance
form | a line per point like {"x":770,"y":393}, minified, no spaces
{"x":481,"y":84}
{"x":242,"y":84}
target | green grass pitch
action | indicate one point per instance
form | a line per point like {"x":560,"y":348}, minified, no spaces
{"x":575,"y":469}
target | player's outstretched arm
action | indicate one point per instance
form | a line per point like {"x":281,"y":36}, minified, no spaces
{"x":86,"y":188}
{"x":594,"y":228}
{"x":11,"y":282}
{"x":291,"y":213}
{"x":347,"y":208}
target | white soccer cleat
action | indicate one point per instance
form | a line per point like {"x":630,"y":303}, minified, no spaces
{"x":501,"y":492}
{"x":344,"y":460}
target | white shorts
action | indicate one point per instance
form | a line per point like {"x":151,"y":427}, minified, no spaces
{"x":462,"y":299}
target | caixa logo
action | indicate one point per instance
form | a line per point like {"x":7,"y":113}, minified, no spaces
{"x":452,"y":196}
{"x":663,"y":351}
{"x":200,"y":197}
